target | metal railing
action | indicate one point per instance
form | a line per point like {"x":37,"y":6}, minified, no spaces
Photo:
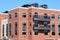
{"x":42,"y":28}
{"x":41,"y":19}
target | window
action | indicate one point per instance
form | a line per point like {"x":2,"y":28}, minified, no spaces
{"x":24,"y":33}
{"x":24,"y":15}
{"x":10,"y":16}
{"x":59,"y":33}
{"x":16,"y":24}
{"x":35,"y":14}
{"x":45,"y":15}
{"x":45,"y":32}
{"x":59,"y":28}
{"x":52,"y":16}
{"x":10,"y":29}
{"x":53,"y":33}
{"x":35,"y":32}
{"x":59,"y":16}
{"x":6,"y":29}
{"x":16,"y":14}
{"x":36,"y":23}
{"x":24,"y":28}
{"x":3,"y":29}
{"x":53,"y":28}
{"x":46,"y":23}
{"x":59,"y":25}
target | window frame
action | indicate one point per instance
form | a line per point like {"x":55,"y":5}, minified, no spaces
{"x":53,"y":28}
{"x":16,"y":15}
{"x":10,"y":28}
{"x":59,"y":28}
{"x":35,"y":32}
{"x":59,"y":16}
{"x":35,"y":14}
{"x":10,"y":16}
{"x":23,"y":28}
{"x":52,"y":16}
{"x":45,"y":15}
{"x":23,"y":15}
{"x":16,"y":28}
{"x":6,"y":29}
{"x":3,"y":30}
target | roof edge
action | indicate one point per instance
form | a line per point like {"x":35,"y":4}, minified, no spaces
{"x":34,"y":7}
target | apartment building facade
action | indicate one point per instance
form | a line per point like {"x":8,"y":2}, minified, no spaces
{"x":30,"y":23}
{"x":33,"y":23}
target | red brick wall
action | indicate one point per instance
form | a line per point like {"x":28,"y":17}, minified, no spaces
{"x":41,"y":12}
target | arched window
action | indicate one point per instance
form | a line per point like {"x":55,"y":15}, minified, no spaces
{"x":45,"y":15}
{"x":35,"y":14}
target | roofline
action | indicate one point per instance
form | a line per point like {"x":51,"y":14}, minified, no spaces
{"x":18,"y":7}
{"x":4,"y":13}
{"x":34,"y":7}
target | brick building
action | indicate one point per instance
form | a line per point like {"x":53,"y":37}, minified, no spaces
{"x":31,"y":22}
{"x":34,"y":23}
{"x":3,"y":32}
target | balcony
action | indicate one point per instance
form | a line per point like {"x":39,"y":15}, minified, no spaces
{"x":42,"y":28}
{"x":41,"y":19}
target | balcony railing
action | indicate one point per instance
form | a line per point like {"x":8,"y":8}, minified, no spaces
{"x":42,"y":28}
{"x":41,"y":19}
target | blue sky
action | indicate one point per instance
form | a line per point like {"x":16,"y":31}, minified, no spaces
{"x":9,"y":4}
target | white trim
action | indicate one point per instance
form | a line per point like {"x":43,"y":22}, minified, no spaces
{"x":35,"y":8}
{"x":18,"y":7}
{"x":4,"y":13}
{"x":4,"y":21}
{"x":45,"y":9}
